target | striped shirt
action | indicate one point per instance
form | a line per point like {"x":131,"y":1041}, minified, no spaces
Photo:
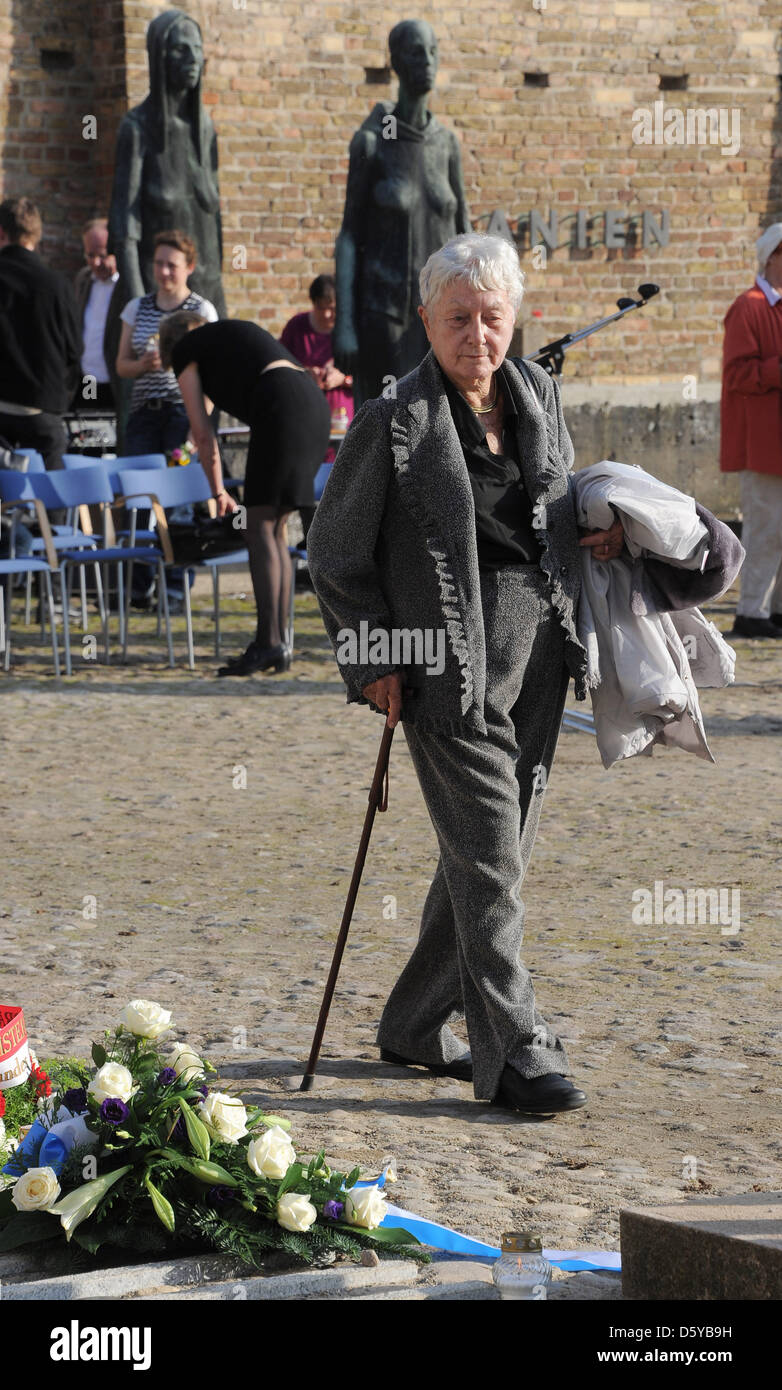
{"x":145,"y":318}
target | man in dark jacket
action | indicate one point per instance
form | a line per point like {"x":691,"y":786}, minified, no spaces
{"x":40,"y":340}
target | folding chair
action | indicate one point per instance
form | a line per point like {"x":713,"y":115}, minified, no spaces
{"x":174,"y":487}
{"x":62,"y":535}
{"x":16,"y":488}
{"x":113,"y":466}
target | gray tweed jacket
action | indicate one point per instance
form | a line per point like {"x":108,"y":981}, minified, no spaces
{"x":393,"y":541}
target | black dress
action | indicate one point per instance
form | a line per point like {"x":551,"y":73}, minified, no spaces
{"x":287,"y":412}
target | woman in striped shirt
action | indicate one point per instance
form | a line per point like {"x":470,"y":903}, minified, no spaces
{"x":158,"y":422}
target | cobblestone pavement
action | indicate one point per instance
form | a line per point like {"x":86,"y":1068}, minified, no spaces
{"x":215,"y":825}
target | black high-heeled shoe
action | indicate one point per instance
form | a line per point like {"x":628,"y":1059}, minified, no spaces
{"x":257,"y":658}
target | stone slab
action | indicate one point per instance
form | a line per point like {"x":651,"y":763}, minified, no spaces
{"x":708,"y":1248}
{"x":209,"y":1277}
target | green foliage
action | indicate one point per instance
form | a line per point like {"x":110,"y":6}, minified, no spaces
{"x":292,"y":1180}
{"x":163,"y":1208}
{"x":197,"y":1132}
{"x":25,"y":1227}
{"x":73,"y":1168}
{"x":209,"y":1172}
{"x":66,"y":1073}
{"x":139,"y":1235}
{"x":257,"y":1116}
{"x":116,"y":1193}
{"x":20,"y":1107}
{"x":90,"y":1237}
{"x":232,"y":1236}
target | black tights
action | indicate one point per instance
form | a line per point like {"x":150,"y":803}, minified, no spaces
{"x":271,"y":571}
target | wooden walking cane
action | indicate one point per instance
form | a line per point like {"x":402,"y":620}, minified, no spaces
{"x":378,"y":801}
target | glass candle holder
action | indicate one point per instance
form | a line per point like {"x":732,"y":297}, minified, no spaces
{"x":522,"y":1271}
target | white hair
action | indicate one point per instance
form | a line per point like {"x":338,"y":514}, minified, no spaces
{"x":485,"y":262}
{"x":767,"y":244}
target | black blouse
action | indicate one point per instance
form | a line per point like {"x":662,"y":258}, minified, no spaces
{"x":503,"y":511}
{"x":230,"y":355}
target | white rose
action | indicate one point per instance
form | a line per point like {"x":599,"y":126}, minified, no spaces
{"x":365,"y":1206}
{"x":186,"y":1063}
{"x":225,"y":1114}
{"x":271,"y":1154}
{"x":36,"y":1190}
{"x":145,"y":1019}
{"x":111,"y":1081}
{"x":295,"y":1212}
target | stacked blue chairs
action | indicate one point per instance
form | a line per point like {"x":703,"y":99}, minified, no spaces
{"x":85,"y":487}
{"x":17,"y":488}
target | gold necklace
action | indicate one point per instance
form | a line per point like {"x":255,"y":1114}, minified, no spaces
{"x":482,"y":409}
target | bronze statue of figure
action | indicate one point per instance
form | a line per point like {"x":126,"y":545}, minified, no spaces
{"x":166,"y":166}
{"x":405,"y":198}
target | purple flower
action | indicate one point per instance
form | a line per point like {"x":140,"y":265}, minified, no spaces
{"x":75,"y":1100}
{"x":204,"y":1090}
{"x":166,"y":1077}
{"x":114,"y":1111}
{"x":218,"y":1196}
{"x":180,"y":1129}
{"x":333,"y":1210}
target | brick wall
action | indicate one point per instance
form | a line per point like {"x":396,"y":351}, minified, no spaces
{"x":60,"y":65}
{"x":286,"y":86}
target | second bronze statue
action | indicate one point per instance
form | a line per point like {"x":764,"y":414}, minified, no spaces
{"x":405,"y":198}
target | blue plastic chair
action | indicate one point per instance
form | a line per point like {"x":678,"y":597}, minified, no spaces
{"x":175,"y":487}
{"x":69,"y":537}
{"x":16,"y":487}
{"x":113,"y":467}
{"x":35,"y":463}
{"x":92,"y":487}
{"x":321,"y":478}
{"x":62,"y":535}
{"x":298,"y":553}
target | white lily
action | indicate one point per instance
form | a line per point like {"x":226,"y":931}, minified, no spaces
{"x":78,"y":1205}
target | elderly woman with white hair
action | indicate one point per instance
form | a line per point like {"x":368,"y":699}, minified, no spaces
{"x":448,"y":524}
{"x":751,"y":436}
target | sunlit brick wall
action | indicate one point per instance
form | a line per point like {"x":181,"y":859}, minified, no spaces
{"x":62,"y":90}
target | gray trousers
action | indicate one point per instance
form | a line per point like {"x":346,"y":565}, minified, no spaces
{"x":484,"y":794}
{"x":761,"y":536}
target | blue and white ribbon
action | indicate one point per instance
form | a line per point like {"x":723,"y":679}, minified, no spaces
{"x":443,"y":1238}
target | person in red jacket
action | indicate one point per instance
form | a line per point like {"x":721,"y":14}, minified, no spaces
{"x":751,"y":436}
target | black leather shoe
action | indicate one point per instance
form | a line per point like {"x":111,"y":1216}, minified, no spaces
{"x":776,"y":619}
{"x":754,"y":627}
{"x":461,"y":1068}
{"x":538,"y":1095}
{"x":257,"y":658}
